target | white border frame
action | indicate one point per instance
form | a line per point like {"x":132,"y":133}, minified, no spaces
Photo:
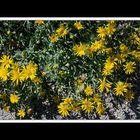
{"x":65,"y":19}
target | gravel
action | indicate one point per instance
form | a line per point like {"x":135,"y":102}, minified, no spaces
{"x":6,"y":116}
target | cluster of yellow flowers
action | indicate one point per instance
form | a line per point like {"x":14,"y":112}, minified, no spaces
{"x":90,"y":102}
{"x":88,"y":105}
{"x":114,"y":61}
{"x":12,"y":71}
{"x":61,"y":31}
{"x":17,"y":74}
{"x":121,"y":58}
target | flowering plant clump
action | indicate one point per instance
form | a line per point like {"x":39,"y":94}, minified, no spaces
{"x":68,"y":68}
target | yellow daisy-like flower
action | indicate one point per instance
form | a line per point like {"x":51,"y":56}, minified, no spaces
{"x":136,"y":54}
{"x":78,"y":25}
{"x":129,"y":95}
{"x":108,"y":68}
{"x":75,"y":108}
{"x":16,"y":74}
{"x":110,"y":60}
{"x":102,"y":32}
{"x":4,"y":73}
{"x":14,"y":98}
{"x":87,"y":106}
{"x":129,"y":67}
{"x":120,"y":58}
{"x":134,"y":39}
{"x":120,"y":88}
{"x":29,"y":71}
{"x":21,"y":113}
{"x":39,"y":22}
{"x":63,"y":109}
{"x":100,"y":109}
{"x":97,"y":45}
{"x":61,"y":31}
{"x":111,"y":28}
{"x":96,"y":99}
{"x":107,"y":71}
{"x":89,"y":90}
{"x":53,"y":38}
{"x":104,"y":85}
{"x":68,"y":100}
{"x":6,"y":61}
{"x":90,"y":50}
{"x":108,"y":50}
{"x":80,"y":49}
{"x":124,"y":49}
{"x":37,"y":80}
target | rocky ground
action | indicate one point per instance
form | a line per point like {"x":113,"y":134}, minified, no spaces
{"x":6,"y":116}
{"x":114,"y":110}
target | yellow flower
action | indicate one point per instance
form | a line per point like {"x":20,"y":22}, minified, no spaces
{"x":61,"y":31}
{"x":6,"y":108}
{"x":63,"y":109}
{"x":87,"y":106}
{"x":4,"y":73}
{"x":90,"y":50}
{"x":120,"y":88}
{"x":89,"y":90}
{"x":67,"y":100}
{"x":75,"y":108}
{"x":110,"y":60}
{"x":37,"y":80}
{"x":79,"y":50}
{"x":102,"y":32}
{"x":120,"y":58}
{"x":6,"y":61}
{"x":129,"y":95}
{"x":134,"y":39}
{"x":97,"y":45}
{"x":78,"y":82}
{"x":108,"y":50}
{"x":78,"y":25}
{"x":39,"y":22}
{"x":129,"y":85}
{"x":14,"y":98}
{"x":124,"y":49}
{"x":53,"y":38}
{"x":29,"y":71}
{"x":136,"y":54}
{"x":108,"y":67}
{"x":100,"y":109}
{"x":111,"y":28}
{"x":130,"y":67}
{"x":104,"y":85}
{"x":21,"y":113}
{"x":107,"y":71}
{"x":96,"y":99}
{"x":16,"y":74}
